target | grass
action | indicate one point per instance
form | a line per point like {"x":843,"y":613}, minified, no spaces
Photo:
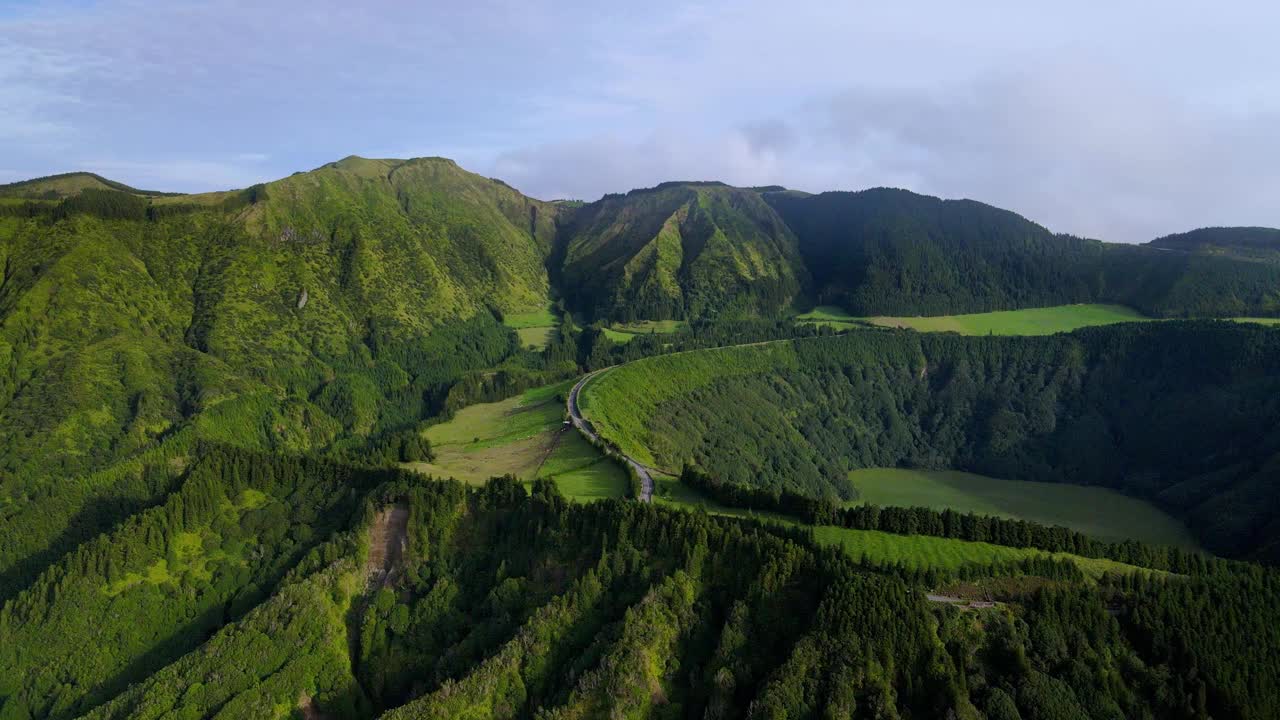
{"x":917,"y":551}
{"x":925,"y":551}
{"x":1259,"y":320}
{"x":620,"y":402}
{"x":539,"y":318}
{"x":536,"y":329}
{"x":651,"y":326}
{"x":536,"y":337}
{"x":522,"y":436}
{"x":1095,"y":511}
{"x":623,"y":333}
{"x":622,"y":338}
{"x":831,"y":316}
{"x":1032,"y":321}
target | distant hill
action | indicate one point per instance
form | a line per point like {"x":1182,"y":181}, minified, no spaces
{"x":893,"y":252}
{"x":680,"y":250}
{"x":1245,"y":242}
{"x":57,"y":187}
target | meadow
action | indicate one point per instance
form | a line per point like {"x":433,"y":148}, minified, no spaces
{"x":536,"y":329}
{"x":623,"y":333}
{"x":1096,"y":511}
{"x":1030,"y":321}
{"x":524,"y":436}
{"x":915,"y":551}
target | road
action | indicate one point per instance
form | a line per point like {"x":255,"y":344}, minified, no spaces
{"x":584,"y":427}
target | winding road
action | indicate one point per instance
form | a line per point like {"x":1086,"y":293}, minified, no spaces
{"x":584,"y":427}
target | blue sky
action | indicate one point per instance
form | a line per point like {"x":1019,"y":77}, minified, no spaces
{"x":1108,"y":120}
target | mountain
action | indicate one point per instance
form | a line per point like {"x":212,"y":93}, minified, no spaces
{"x":1243,"y":242}
{"x":314,"y":313}
{"x":57,"y":187}
{"x":680,"y":250}
{"x":893,"y":252}
{"x":116,"y":329}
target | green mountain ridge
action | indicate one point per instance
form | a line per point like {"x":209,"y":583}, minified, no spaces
{"x":55,"y":187}
{"x":316,"y":296}
{"x":681,"y":250}
{"x":893,"y":252}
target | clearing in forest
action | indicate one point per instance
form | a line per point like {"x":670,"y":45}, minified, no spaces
{"x":536,"y":329}
{"x":524,"y":436}
{"x":1030,"y":321}
{"x":1095,"y":511}
{"x":916,"y":551}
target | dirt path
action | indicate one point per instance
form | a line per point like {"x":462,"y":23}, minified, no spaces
{"x":387,"y":539}
{"x":646,"y":479}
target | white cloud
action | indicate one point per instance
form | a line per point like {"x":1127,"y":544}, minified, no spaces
{"x":1094,"y":117}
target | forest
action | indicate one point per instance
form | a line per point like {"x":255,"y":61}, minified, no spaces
{"x":208,"y":405}
{"x":893,"y":252}
{"x":261,"y":585}
{"x":1122,"y":406}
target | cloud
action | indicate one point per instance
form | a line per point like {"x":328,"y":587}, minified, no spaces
{"x":1092,"y":117}
{"x":1082,"y":148}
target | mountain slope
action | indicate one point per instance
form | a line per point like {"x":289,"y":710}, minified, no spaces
{"x":1243,"y":242}
{"x":680,"y":250}
{"x":893,"y":252}
{"x":315,"y":313}
{"x":1181,"y":413}
{"x":57,"y":187}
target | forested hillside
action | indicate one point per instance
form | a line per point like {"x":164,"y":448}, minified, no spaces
{"x":681,"y":250}
{"x":321,"y":312}
{"x":1183,"y":413}
{"x":1255,"y":243}
{"x":270,"y":586}
{"x":892,"y":252}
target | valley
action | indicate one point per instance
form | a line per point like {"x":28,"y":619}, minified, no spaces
{"x":302,"y":448}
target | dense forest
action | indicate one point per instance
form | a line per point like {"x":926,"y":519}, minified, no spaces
{"x":275,"y":581}
{"x":1255,"y":243}
{"x":1186,"y":414}
{"x":892,"y":252}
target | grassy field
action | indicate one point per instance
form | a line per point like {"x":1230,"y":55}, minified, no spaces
{"x":1091,"y":510}
{"x":534,"y":328}
{"x":924,"y":551}
{"x":1260,"y":321}
{"x":623,"y":333}
{"x":1031,"y":321}
{"x":522,"y":436}
{"x":622,"y":338}
{"x":918,"y":551}
{"x":831,"y":316}
{"x":536,"y":337}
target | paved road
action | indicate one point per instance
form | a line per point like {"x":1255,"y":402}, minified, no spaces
{"x":584,"y":427}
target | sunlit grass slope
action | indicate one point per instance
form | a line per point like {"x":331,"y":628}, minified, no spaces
{"x":1096,"y":511}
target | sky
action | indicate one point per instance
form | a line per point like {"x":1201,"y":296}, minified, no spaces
{"x":1122,"y":121}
